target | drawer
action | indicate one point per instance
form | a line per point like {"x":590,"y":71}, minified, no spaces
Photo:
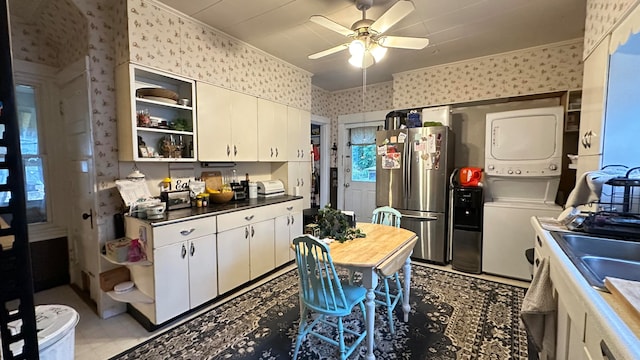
{"x":181,"y":231}
{"x":288,"y":207}
{"x":244,"y":217}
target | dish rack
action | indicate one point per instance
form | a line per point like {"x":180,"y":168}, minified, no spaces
{"x":618,"y":208}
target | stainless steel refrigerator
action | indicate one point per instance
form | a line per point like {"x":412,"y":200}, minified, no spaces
{"x":412,"y":176}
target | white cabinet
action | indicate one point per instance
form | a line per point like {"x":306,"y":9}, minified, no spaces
{"x":233,"y":258}
{"x":298,"y":134}
{"x":287,"y":227}
{"x":184,"y":271}
{"x":594,"y":85}
{"x":272,"y":131}
{"x":261,"y":248}
{"x":296,"y":174}
{"x":154,"y":128}
{"x":246,"y":246}
{"x":227,"y":124}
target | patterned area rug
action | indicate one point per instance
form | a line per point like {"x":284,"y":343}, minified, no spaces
{"x":452,"y":316}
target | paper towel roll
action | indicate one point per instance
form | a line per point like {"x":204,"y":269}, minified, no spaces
{"x":296,"y":190}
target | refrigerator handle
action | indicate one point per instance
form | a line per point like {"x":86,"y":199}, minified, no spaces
{"x":408,"y":161}
{"x":425,"y":218}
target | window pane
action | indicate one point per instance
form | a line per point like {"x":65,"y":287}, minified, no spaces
{"x":363,"y":163}
{"x":31,"y":157}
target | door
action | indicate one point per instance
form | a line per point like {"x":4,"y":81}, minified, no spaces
{"x":171,"y":272}
{"x":390,"y":169}
{"x":83,"y":237}
{"x":262,"y":248}
{"x":203,"y":276}
{"x":360,"y":171}
{"x":431,"y":231}
{"x":427,"y":169}
{"x":244,"y":133}
{"x":233,"y":258}
{"x":214,"y":128}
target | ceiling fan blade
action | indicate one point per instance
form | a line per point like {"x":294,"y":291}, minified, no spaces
{"x":396,"y":13}
{"x":331,"y":25}
{"x":403,"y":42}
{"x":334,"y":49}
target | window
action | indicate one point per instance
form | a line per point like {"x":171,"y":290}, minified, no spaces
{"x":32,"y":157}
{"x":363,"y":154}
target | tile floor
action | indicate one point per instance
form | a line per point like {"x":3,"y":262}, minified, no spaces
{"x":101,"y":339}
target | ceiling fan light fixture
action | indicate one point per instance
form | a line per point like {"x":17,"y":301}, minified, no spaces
{"x":378,"y":52}
{"x":357,"y":48}
{"x":363,"y":61}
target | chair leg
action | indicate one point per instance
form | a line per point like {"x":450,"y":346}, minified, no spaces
{"x":343,"y":351}
{"x":302,"y":332}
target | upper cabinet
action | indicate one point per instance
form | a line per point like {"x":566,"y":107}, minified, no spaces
{"x":298,"y":134}
{"x":272,"y":131}
{"x":227,"y":124}
{"x":156,"y":121}
{"x":594,"y":85}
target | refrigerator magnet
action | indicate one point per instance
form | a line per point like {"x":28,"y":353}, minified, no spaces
{"x":393,"y":139}
{"x":391,"y":161}
{"x":419,"y":146}
{"x":402,"y":137}
{"x":382,"y":150}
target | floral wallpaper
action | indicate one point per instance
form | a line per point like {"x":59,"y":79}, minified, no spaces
{"x":49,"y":38}
{"x":602,"y":15}
{"x":173,"y":42}
{"x":554,"y":67}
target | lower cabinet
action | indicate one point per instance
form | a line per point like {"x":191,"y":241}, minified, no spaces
{"x":288,"y":227}
{"x":233,"y":258}
{"x":261,"y":248}
{"x":185,"y":268}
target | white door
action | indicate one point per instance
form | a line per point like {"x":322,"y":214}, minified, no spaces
{"x":171,"y":277}
{"x":359,"y":171}
{"x":262,"y":248}
{"x":233,"y":258}
{"x":203,"y":276}
{"x":76,"y":114}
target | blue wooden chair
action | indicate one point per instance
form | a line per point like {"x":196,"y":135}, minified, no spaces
{"x":387,"y":215}
{"x":322,"y":292}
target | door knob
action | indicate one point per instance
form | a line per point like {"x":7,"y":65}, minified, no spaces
{"x":346,"y":185}
{"x":86,"y":216}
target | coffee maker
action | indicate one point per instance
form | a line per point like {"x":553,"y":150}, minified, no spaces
{"x":239,"y":190}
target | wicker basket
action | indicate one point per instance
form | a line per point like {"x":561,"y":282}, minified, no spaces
{"x":157,"y":92}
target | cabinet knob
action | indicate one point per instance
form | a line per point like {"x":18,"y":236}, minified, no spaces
{"x":228,"y":150}
{"x":235,"y":150}
{"x":249,"y":218}
{"x":302,"y":182}
{"x":292,"y":220}
{"x":253,"y":231}
{"x":289,"y":208}
{"x":246,"y":232}
{"x":192,"y":249}
{"x":271,"y":152}
{"x":288,"y":221}
{"x":276,"y":152}
{"x":184,"y":251}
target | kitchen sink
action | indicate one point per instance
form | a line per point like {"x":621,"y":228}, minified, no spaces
{"x":597,"y":257}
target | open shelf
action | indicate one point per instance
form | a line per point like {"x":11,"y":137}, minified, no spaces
{"x":132,"y":296}
{"x":125,"y":263}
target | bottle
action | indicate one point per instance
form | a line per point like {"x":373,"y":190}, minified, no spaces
{"x":135,"y":252}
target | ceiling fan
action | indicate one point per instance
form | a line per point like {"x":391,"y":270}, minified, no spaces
{"x":369,"y":43}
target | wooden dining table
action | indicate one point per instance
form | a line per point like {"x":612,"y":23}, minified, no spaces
{"x":382,"y":247}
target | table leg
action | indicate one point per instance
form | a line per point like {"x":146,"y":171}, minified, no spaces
{"x":407,"y":286}
{"x":369,"y":281}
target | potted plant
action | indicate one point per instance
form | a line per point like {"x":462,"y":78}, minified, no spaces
{"x":334,"y":224}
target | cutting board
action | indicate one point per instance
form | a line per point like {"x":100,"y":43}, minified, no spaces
{"x":212,"y":179}
{"x":625,"y":290}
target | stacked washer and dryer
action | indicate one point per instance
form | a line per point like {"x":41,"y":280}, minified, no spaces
{"x":523,"y":157}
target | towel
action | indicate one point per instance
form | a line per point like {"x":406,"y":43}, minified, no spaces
{"x":538,"y":312}
{"x":588,"y":188}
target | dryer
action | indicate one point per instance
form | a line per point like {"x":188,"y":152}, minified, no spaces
{"x":523,"y":157}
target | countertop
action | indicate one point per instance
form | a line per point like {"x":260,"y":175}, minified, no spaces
{"x":174,"y":216}
{"x":619,"y":325}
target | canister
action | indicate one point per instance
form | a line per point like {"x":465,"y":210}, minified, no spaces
{"x":253,"y":190}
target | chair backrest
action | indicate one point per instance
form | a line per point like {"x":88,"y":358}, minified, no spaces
{"x":320,"y":286}
{"x":386,"y":215}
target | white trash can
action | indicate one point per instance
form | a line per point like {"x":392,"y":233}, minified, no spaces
{"x":56,"y":332}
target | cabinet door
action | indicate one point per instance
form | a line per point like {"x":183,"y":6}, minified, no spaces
{"x":233,"y":258}
{"x":302,"y":173}
{"x":594,"y":82}
{"x":214,"y":125}
{"x":244,"y":119}
{"x":295,"y":229}
{"x":272,"y":131}
{"x":203,"y":276}
{"x":262,"y":248}
{"x":171,"y":277}
{"x":299,"y":134}
{"x":283,"y":251}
